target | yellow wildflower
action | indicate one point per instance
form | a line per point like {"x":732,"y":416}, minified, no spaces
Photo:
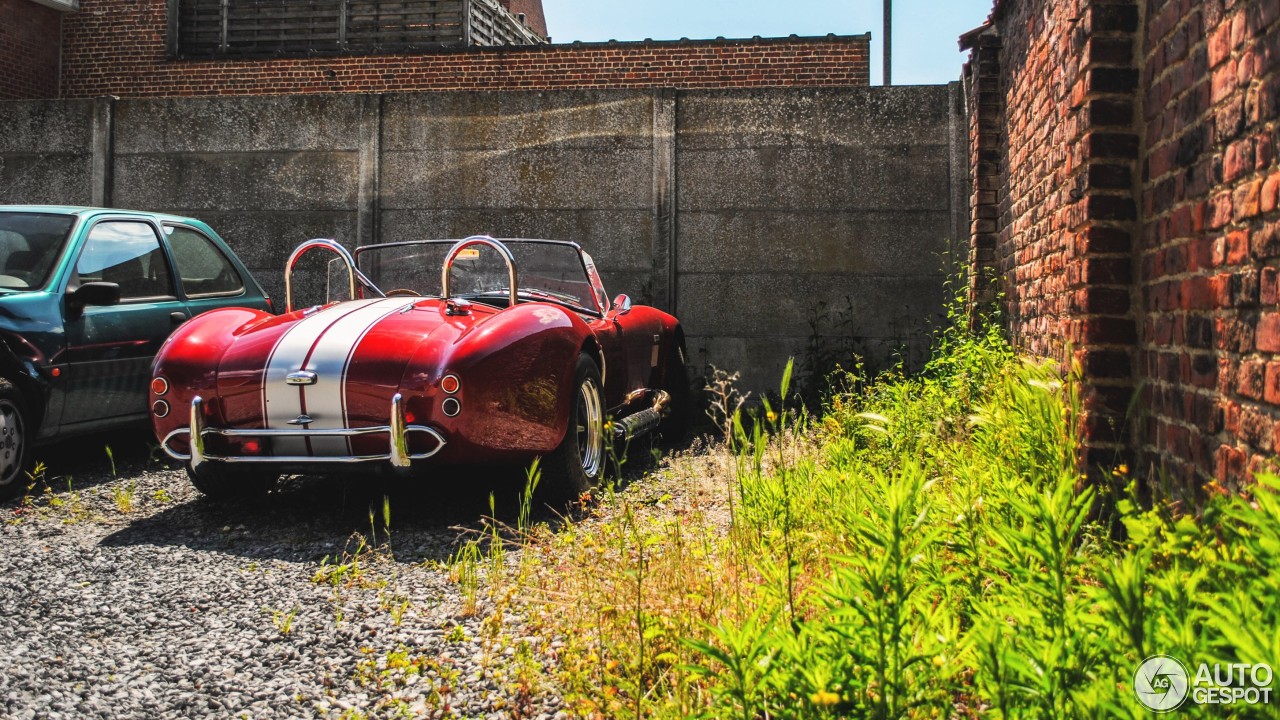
{"x":824,"y":697}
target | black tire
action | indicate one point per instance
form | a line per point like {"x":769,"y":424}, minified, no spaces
{"x":227,"y":482}
{"x":578,"y":462}
{"x":675,"y":426}
{"x":15,"y":440}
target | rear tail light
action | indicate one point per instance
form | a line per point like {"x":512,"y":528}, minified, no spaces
{"x":159,"y":385}
{"x":160,"y":409}
{"x":450,"y":384}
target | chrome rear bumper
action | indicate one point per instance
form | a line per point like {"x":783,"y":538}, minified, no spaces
{"x":397,"y":451}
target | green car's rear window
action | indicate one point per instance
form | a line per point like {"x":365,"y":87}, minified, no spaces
{"x":30,"y":244}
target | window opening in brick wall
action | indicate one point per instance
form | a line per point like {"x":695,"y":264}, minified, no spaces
{"x":257,"y":28}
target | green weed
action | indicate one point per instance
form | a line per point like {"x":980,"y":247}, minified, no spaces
{"x":924,"y":547}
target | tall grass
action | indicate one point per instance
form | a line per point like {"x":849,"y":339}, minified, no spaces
{"x":923,"y":548}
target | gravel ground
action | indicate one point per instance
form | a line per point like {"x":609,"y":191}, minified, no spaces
{"x":184,"y":608}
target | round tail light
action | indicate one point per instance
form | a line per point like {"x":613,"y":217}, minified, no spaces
{"x":160,"y":409}
{"x":450,"y":384}
{"x":159,"y":385}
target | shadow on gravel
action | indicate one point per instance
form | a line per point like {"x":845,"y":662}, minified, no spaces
{"x":307,"y":518}
{"x":86,"y":462}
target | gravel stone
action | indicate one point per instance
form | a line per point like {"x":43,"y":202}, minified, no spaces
{"x":186,"y":608}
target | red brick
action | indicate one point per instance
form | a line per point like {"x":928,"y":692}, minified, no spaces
{"x":1270,"y":193}
{"x":1246,"y":200}
{"x":1268,"y":333}
{"x":1271,"y":384}
{"x":1221,"y":210}
{"x":1249,"y":379}
{"x":1229,"y":464}
{"x":1268,"y":286}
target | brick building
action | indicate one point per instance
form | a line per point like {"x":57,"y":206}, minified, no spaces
{"x":147,"y":48}
{"x":30,"y":47}
{"x":1125,"y":205}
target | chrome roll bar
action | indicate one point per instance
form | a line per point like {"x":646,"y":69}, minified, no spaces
{"x":354,"y":276}
{"x":461,"y":245}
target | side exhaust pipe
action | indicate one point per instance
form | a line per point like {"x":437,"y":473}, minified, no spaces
{"x":644,"y":421}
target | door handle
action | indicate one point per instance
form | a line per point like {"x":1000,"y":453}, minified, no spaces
{"x":178,"y":317}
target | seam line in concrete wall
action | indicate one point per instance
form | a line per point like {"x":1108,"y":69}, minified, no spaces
{"x":370,"y":169}
{"x":103,"y":150}
{"x":664,"y":200}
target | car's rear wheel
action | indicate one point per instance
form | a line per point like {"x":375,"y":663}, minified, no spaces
{"x":227,"y":482}
{"x":14,"y":440}
{"x":577,"y":464}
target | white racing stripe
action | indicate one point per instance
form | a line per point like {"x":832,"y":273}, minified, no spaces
{"x":329,"y":337}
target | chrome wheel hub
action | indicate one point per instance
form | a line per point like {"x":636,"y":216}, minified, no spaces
{"x":590,"y":428}
{"x":11,"y":437}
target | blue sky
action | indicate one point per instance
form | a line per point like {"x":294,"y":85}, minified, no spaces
{"x":924,"y":31}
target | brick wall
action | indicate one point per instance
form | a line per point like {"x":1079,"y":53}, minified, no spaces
{"x":532,"y":11}
{"x":28,"y":50}
{"x":1054,"y":159}
{"x":1135,"y":216}
{"x":98,"y":59}
{"x":1210,"y":242}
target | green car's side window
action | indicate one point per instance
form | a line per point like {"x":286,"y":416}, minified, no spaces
{"x":128,"y":254}
{"x":202,"y":268}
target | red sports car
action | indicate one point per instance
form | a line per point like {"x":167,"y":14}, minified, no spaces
{"x":477,"y":351}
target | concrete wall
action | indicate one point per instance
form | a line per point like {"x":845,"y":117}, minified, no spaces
{"x":751,"y":214}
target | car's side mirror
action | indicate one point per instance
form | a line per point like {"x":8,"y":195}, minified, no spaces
{"x":621,"y":305}
{"x":95,"y":293}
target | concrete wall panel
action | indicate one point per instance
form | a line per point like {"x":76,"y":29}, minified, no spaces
{"x":275,"y":124}
{"x":831,"y":179}
{"x":315,"y":181}
{"x":751,"y":212}
{"x":541,"y":178}
{"x":46,"y":126}
{"x":779,"y":305}
{"x":874,"y":242}
{"x":46,"y":152}
{"x":518,"y":121}
{"x":848,"y":117}
{"x":46,"y":178}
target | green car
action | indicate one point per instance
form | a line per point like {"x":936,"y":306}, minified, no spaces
{"x":87,"y":296}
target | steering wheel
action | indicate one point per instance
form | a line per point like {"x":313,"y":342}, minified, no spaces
{"x":403,"y":292}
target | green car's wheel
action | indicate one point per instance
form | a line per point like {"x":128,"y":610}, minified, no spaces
{"x":14,"y":440}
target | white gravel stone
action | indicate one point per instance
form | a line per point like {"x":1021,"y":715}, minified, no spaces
{"x":179,"y":608}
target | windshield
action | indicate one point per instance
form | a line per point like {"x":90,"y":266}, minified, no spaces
{"x":30,"y":244}
{"x":546,"y":271}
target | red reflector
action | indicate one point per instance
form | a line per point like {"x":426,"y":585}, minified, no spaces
{"x":159,"y":386}
{"x":56,"y":372}
{"x":450,"y":384}
{"x":250,"y":447}
{"x":408,"y":417}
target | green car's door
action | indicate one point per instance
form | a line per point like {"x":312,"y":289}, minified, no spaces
{"x":110,"y":348}
{"x":208,"y":278}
